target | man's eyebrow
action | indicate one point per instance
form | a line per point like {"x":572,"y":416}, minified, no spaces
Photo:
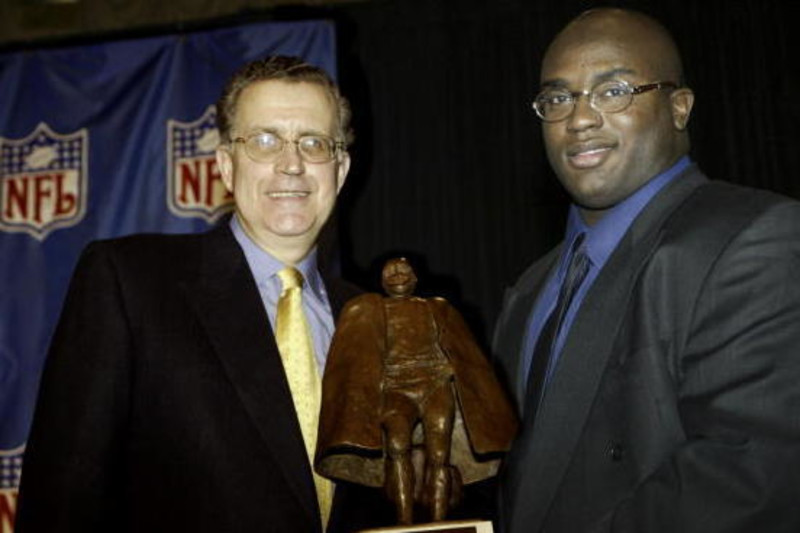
{"x":554,"y":83}
{"x":281,"y":132}
{"x":255,"y":130}
{"x":314,"y":132}
{"x":597,"y":78}
{"x":612,"y":74}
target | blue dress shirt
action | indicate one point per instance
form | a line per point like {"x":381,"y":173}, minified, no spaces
{"x":316,"y":305}
{"x":601,"y":240}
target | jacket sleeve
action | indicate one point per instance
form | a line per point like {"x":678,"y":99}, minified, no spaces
{"x":73,"y":455}
{"x":738,"y":375}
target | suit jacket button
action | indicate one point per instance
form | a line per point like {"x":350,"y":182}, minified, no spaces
{"x":616,"y":451}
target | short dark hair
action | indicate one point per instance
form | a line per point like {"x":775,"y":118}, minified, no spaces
{"x":283,"y":68}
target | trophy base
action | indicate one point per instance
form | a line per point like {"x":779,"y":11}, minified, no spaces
{"x":451,"y":526}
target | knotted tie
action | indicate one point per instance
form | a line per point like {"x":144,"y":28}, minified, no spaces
{"x":543,"y":352}
{"x":294,"y":343}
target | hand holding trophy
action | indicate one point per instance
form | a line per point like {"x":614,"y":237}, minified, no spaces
{"x":410,"y":403}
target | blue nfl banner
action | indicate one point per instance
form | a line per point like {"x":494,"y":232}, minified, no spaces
{"x":99,"y":141}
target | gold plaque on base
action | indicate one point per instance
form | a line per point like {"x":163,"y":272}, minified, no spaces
{"x":450,"y":526}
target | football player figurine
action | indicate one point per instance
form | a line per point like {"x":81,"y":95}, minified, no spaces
{"x":410,"y":402}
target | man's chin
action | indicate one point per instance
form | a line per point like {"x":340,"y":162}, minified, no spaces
{"x":293,"y":226}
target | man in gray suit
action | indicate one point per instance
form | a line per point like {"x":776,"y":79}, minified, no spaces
{"x":655,"y":353}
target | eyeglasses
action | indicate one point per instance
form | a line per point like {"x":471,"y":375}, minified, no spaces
{"x":554,"y":104}
{"x":265,"y":146}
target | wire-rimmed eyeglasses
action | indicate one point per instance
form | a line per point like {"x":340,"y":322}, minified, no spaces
{"x":265,"y":146}
{"x":554,"y":104}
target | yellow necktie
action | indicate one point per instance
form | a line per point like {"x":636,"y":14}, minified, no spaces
{"x":294,"y":343}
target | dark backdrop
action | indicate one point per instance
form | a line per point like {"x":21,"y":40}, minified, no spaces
{"x":449,"y":167}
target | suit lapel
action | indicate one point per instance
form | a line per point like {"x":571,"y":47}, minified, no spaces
{"x":546,"y":445}
{"x":227,"y":302}
{"x":339,"y":292}
{"x":519,"y":301}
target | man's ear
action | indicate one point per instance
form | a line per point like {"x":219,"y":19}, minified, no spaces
{"x":681,"y":101}
{"x":342,"y":168}
{"x":225,"y":166}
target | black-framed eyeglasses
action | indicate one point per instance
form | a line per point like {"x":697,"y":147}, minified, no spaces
{"x":554,"y":104}
{"x":265,"y":146}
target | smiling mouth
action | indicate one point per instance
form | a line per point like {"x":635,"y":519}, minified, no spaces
{"x":288,"y":194}
{"x":589,"y":157}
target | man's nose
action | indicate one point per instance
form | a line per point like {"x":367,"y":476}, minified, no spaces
{"x":289,"y":160}
{"x":583,"y":115}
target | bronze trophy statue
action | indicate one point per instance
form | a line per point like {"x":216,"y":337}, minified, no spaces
{"x":409,"y":401}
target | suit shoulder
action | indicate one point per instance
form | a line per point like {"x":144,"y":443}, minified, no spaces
{"x":718,"y":208}
{"x":146,"y":245}
{"x":731,"y":199}
{"x":149,"y":241}
{"x":143,"y":256}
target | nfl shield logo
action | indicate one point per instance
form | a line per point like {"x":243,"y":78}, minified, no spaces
{"x":43,"y":181}
{"x":10,"y":471}
{"x":194,"y":184}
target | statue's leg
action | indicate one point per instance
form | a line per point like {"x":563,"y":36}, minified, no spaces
{"x":437,"y":420}
{"x":399,"y":416}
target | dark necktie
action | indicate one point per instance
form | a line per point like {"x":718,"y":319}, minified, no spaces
{"x":543,"y":351}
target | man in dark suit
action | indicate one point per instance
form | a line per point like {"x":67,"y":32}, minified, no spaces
{"x":164,"y":404}
{"x":654,"y":354}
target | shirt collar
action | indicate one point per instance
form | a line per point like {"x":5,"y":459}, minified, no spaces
{"x":264,"y":265}
{"x":603,"y":237}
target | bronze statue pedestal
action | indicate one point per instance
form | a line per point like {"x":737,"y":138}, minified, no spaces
{"x":450,"y":526}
